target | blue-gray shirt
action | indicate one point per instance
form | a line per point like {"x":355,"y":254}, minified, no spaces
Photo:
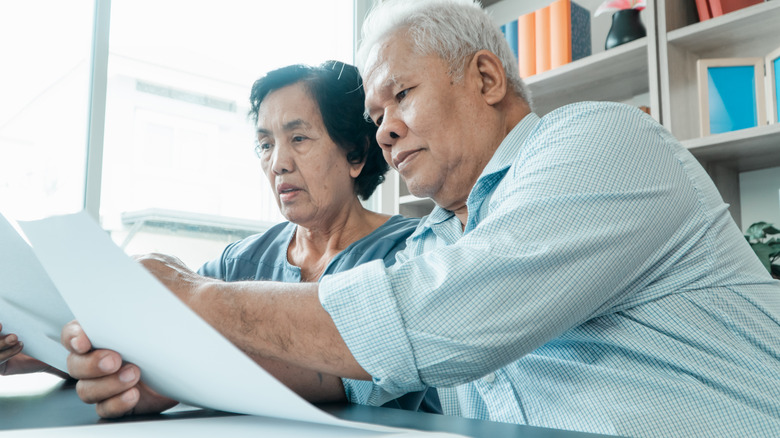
{"x":264,"y":257}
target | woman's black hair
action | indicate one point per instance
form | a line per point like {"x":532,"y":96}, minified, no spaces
{"x":338,"y":90}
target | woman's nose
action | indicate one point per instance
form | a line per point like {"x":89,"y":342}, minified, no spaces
{"x":281,"y":160}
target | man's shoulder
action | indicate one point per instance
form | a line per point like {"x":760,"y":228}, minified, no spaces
{"x":593,"y":109}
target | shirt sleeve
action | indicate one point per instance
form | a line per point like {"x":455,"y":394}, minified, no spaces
{"x":579,"y":223}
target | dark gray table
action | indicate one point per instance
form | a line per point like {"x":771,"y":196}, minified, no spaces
{"x":62,"y":407}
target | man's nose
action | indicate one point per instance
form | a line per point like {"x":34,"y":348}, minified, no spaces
{"x":391,"y":130}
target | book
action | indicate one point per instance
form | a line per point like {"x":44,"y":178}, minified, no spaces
{"x":569,"y":32}
{"x":720,"y":7}
{"x":526,"y":45}
{"x":580,"y":32}
{"x":542,"y":29}
{"x":703,"y":8}
{"x":560,"y":33}
{"x":511,"y":36}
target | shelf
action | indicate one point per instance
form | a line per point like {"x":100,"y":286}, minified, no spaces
{"x":746,"y":26}
{"x":412,"y":200}
{"x":617,"y":74}
{"x":741,"y":151}
{"x":412,"y":206}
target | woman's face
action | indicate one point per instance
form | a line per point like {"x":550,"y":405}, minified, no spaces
{"x":308,"y":172}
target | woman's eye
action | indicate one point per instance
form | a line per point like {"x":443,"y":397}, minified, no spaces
{"x":402,"y":94}
{"x":261,"y":147}
{"x":298,"y":138}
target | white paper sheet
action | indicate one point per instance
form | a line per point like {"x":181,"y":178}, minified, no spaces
{"x":233,"y":427}
{"x":121,"y":306}
{"x":30,"y":305}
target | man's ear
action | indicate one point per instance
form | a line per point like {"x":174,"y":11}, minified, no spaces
{"x":492,"y":76}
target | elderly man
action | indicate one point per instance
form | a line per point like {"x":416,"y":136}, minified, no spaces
{"x":580,"y":270}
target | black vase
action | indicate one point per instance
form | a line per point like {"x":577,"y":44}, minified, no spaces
{"x":626,"y":26}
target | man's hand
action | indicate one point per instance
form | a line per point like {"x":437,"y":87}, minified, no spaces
{"x":173,"y":274}
{"x":104,"y":380}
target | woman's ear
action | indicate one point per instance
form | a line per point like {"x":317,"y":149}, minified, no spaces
{"x":491,"y":75}
{"x":356,"y":168}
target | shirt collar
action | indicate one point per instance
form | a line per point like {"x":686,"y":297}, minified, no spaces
{"x":509,"y":148}
{"x":500,"y":161}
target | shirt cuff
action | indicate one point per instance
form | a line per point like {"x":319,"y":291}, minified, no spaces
{"x":361,"y":303}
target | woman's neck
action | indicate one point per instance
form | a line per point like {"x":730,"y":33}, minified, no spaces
{"x":313,"y":248}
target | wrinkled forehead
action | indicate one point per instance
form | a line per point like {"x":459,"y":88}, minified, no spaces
{"x":386,"y":60}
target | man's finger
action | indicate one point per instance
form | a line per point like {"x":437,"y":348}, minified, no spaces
{"x":93,"y":365}
{"x":74,"y":339}
{"x":102,"y":389}
{"x":119,"y":405}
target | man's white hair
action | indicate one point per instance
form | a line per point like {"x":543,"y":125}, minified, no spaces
{"x":452,"y":29}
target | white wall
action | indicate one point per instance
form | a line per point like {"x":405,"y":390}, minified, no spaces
{"x":760,"y":196}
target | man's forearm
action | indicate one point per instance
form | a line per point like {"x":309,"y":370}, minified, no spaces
{"x":313,"y":386}
{"x":279,"y":321}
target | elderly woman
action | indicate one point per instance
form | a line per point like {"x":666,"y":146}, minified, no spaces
{"x":320,"y":156}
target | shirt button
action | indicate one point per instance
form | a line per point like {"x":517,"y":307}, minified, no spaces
{"x":490,"y":378}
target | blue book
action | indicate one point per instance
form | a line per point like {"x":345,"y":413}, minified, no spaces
{"x":511,"y":36}
{"x":580,"y":32}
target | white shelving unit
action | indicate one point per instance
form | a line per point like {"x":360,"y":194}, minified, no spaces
{"x":661,"y":70}
{"x":683,"y":40}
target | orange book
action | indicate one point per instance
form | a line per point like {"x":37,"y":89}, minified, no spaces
{"x":526,"y":45}
{"x":720,"y":7}
{"x":560,"y":33}
{"x":542,"y":27}
{"x":703,"y":8}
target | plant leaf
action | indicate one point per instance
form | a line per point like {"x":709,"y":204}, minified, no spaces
{"x":763,"y":252}
{"x":756,"y":231}
{"x":769,"y":229}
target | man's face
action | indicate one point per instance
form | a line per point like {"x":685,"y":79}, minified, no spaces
{"x":427,"y":125}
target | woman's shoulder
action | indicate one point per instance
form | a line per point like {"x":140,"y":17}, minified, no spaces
{"x":278,"y":235}
{"x":397,"y":227}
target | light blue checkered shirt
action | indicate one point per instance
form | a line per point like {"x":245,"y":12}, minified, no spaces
{"x":600,"y":285}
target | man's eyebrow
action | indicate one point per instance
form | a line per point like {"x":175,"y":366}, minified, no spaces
{"x":392,"y":80}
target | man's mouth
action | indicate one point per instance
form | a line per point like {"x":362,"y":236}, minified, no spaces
{"x":404,"y":158}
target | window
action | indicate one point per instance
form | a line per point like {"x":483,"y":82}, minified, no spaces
{"x":179,"y":172}
{"x":45,"y":47}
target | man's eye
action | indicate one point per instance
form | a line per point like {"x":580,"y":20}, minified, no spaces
{"x":401,"y":94}
{"x":379,"y":121}
{"x":298,"y":138}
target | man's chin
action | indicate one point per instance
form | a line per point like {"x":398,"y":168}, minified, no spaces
{"x":418,"y":189}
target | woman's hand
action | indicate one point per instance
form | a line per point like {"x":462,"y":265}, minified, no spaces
{"x":104,"y":380}
{"x":10,"y":346}
{"x":13,"y":361}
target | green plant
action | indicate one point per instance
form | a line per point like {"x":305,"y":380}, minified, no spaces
{"x":764,"y":240}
